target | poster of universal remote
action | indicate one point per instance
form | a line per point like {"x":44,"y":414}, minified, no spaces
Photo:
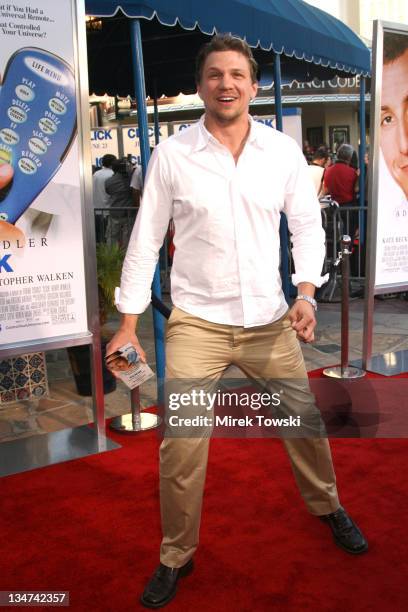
{"x":42,"y":280}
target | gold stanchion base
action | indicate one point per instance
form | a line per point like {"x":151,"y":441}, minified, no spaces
{"x":141,"y":422}
{"x":346,"y":373}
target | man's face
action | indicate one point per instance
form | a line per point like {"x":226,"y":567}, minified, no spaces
{"x":226,"y":86}
{"x":394,"y":119}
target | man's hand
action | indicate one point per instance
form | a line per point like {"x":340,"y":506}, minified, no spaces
{"x":126,"y":334}
{"x":302,"y":317}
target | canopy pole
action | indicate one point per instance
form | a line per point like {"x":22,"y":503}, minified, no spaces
{"x":156,"y":115}
{"x":140,"y":93}
{"x":278,"y":92}
{"x":283,"y":229}
{"x":362,"y":151}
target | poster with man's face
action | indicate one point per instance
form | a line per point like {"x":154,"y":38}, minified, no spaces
{"x":392,"y":221}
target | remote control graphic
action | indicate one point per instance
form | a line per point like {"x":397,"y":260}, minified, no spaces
{"x":37,"y":125}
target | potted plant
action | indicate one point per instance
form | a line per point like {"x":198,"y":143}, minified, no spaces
{"x":109,"y":259}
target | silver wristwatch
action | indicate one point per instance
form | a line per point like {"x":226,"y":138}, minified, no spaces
{"x":309,"y":299}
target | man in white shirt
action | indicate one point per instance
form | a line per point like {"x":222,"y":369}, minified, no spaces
{"x":317,"y":167}
{"x":100,"y":196}
{"x":225,"y":181}
{"x":101,"y":199}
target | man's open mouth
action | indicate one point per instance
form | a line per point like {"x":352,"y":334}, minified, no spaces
{"x":226,"y":99}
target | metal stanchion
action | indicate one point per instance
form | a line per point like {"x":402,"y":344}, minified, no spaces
{"x":344,"y":370}
{"x":135,"y":421}
{"x":329,"y":210}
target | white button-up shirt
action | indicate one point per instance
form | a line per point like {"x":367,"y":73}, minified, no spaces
{"x":226,"y":216}
{"x":100,"y":197}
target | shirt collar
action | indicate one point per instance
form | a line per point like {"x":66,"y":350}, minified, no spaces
{"x":204,"y":136}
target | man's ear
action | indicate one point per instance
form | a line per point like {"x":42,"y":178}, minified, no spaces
{"x":198,"y":91}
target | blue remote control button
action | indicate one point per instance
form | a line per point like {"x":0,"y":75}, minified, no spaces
{"x":16,"y":114}
{"x":37,"y":146}
{"x":5,"y":155}
{"x":47,"y":125}
{"x":57,"y":106}
{"x":25,"y":93}
{"x":27,"y":165}
{"x":9,"y":136}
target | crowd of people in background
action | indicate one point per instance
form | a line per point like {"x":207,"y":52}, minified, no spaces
{"x":117,"y":185}
{"x":337,"y":175}
{"x":326,"y":168}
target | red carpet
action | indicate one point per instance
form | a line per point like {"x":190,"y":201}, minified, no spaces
{"x":371,"y":407}
{"x":92,"y":527}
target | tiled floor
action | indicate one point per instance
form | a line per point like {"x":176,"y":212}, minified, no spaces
{"x":65,"y":408}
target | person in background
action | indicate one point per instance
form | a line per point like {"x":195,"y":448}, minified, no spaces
{"x":136,"y":182}
{"x":101,"y":198}
{"x":118,"y":188}
{"x":307,"y":151}
{"x":366,"y":162}
{"x":317,"y":168}
{"x":341,"y":182}
{"x":354,"y":161}
{"x":330,"y":159}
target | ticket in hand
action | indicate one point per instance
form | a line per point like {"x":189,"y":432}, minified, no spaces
{"x":129,"y":367}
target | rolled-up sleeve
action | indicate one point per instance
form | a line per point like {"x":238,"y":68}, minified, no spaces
{"x":146,"y":239}
{"x":302,"y":209}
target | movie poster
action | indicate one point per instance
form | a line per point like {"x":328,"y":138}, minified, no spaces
{"x":42,"y":280}
{"x":392,"y":219}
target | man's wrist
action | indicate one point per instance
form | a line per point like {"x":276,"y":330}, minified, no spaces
{"x":306,"y":288}
{"x":309,"y":299}
{"x":128,"y":323}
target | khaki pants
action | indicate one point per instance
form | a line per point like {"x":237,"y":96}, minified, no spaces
{"x":197,"y":349}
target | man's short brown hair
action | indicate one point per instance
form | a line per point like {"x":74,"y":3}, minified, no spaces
{"x":395,"y":45}
{"x":225,"y":42}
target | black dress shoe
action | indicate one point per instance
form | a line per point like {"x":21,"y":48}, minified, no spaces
{"x":162,"y":587}
{"x":346,"y":533}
